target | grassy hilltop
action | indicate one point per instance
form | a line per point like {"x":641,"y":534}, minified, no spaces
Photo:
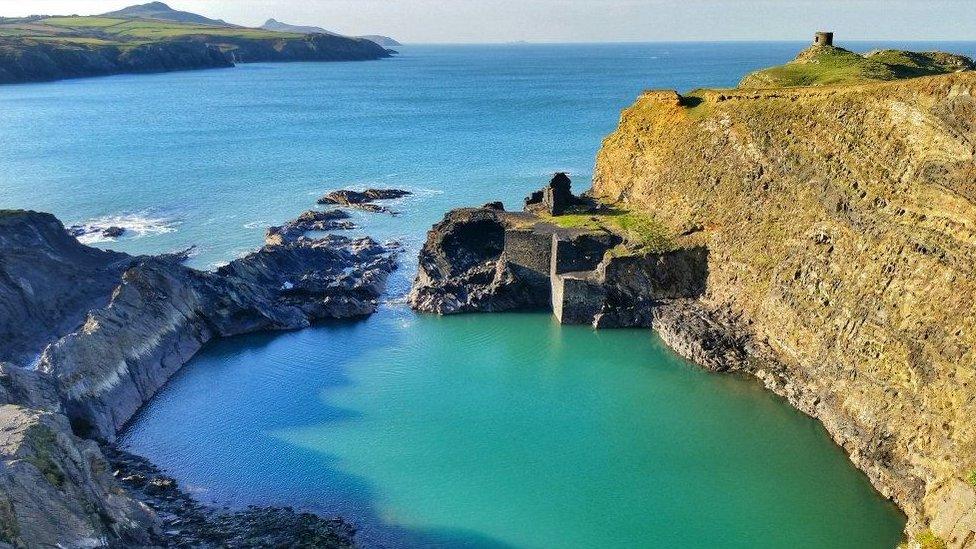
{"x":829,"y":65}
{"x":122,"y":32}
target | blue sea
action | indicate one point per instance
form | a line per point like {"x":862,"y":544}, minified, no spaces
{"x":473,"y":431}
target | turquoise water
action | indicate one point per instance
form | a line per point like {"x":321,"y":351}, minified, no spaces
{"x":496,"y":430}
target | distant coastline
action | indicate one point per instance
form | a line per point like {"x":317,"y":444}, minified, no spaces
{"x":155,"y":38}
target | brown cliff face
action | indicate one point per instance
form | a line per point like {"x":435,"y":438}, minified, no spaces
{"x":840,"y":224}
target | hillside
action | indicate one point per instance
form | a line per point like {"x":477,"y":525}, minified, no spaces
{"x":275,"y":25}
{"x":159,"y":10}
{"x":50,"y":48}
{"x":826,"y":64}
{"x":840,"y":226}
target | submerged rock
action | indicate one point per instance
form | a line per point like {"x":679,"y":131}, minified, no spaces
{"x":186,"y":523}
{"x":363,"y":200}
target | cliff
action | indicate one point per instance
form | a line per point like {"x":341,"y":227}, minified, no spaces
{"x":840,"y":224}
{"x":50,"y":48}
{"x":113,"y":329}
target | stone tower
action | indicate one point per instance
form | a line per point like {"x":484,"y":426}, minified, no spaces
{"x":823,"y":39}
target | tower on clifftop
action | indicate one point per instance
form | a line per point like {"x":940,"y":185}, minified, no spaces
{"x":823,"y":39}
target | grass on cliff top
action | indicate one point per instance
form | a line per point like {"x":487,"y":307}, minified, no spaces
{"x":828,"y":65}
{"x":640,"y":231}
{"x":76,"y":29}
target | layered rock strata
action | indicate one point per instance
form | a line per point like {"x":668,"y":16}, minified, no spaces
{"x":824,"y":241}
{"x":839,"y":223}
{"x":116,"y":327}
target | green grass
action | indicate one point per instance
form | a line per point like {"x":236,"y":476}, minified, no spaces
{"x":43,"y":441}
{"x":928,"y":540}
{"x":119,"y":31}
{"x":639,"y":230}
{"x":144,"y":28}
{"x":822,"y":66}
{"x":81,"y":22}
{"x":75,"y":40}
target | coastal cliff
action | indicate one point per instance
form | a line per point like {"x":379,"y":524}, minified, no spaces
{"x":840,"y":224}
{"x":154,"y":38}
{"x":821,"y":239}
{"x":111,"y":329}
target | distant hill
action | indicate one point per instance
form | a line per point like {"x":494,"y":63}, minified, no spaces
{"x":278,"y":26}
{"x":384,"y":41}
{"x":50,"y":48}
{"x":159,"y":10}
{"x":829,"y":65}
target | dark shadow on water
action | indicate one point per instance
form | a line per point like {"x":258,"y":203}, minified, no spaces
{"x":327,"y":490}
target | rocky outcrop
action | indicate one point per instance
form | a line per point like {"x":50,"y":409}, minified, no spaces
{"x":486,"y":259}
{"x":839,"y":228}
{"x":162,"y":313}
{"x":364,"y":200}
{"x":107,"y":232}
{"x":48,"y":282}
{"x":146,"y":316}
{"x":312,"y":220}
{"x":483,"y":259}
{"x":57,"y":490}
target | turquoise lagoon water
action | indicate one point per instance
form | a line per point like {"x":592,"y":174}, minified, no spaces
{"x":476,"y":431}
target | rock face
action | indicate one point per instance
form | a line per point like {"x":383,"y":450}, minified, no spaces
{"x":163,"y":313}
{"x":57,"y":490}
{"x":116,"y":328}
{"x":364,"y":200}
{"x":485,"y":259}
{"x":839,"y":224}
{"x":48,"y":282}
{"x":24,"y":60}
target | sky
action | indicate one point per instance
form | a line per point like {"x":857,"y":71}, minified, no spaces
{"x":442,"y":21}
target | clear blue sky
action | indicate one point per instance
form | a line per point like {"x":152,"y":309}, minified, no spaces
{"x":579,"y":20}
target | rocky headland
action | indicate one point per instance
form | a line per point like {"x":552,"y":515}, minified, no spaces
{"x":818,"y":238}
{"x":155,"y":38}
{"x":104,"y":332}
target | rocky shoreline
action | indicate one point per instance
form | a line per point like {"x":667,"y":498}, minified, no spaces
{"x":184,"y":522}
{"x":111,"y":329}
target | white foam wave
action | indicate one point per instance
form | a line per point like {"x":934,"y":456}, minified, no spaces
{"x":136,"y":225}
